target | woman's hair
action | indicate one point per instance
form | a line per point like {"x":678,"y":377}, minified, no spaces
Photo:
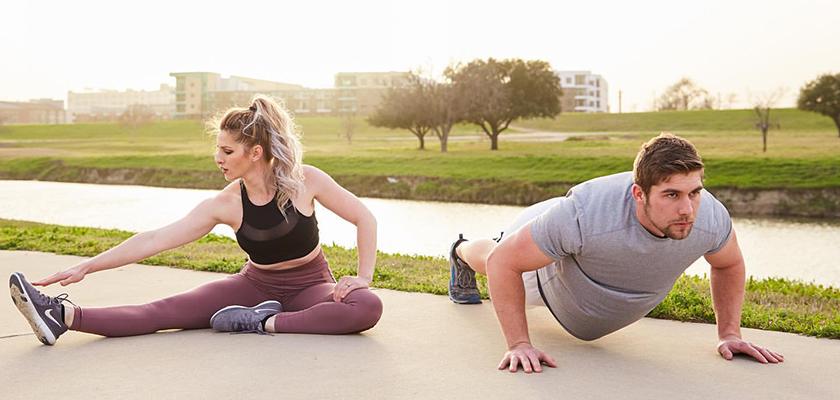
{"x":267,"y":123}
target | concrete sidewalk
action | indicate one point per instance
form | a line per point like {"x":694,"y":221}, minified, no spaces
{"x":424,"y":347}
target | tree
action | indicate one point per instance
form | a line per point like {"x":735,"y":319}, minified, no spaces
{"x":447,"y":109}
{"x":685,"y":95}
{"x":762,"y":104}
{"x":498,"y":92}
{"x":136,"y":115}
{"x":406,"y":108}
{"x":822,"y":95}
{"x":348,"y":127}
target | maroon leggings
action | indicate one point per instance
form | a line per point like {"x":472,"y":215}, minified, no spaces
{"x":305,"y":293}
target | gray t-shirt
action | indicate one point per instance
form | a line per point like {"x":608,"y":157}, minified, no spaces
{"x":609,"y":270}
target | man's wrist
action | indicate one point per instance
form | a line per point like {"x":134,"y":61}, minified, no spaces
{"x":729,"y":335}
{"x":519,"y":343}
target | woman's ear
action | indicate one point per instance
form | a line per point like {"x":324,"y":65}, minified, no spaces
{"x":256,"y":153}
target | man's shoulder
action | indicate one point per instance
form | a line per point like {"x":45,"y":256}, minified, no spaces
{"x":712,"y":214}
{"x":607,"y":184}
{"x":603,"y":204}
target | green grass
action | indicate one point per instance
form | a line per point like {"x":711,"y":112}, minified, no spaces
{"x":805,"y":154}
{"x":770,"y":304}
{"x":699,"y":120}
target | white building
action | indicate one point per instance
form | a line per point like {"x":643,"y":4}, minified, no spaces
{"x":583,"y":91}
{"x":93,"y":105}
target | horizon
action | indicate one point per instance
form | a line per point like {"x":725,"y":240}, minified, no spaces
{"x":747,"y":48}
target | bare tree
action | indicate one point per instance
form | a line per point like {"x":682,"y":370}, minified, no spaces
{"x":762,"y":104}
{"x":348,"y":127}
{"x":136,"y":115}
{"x":685,"y":95}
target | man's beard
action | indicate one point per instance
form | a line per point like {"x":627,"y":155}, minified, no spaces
{"x":666,"y":230}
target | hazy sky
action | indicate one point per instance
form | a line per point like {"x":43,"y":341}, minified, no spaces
{"x":640,"y":47}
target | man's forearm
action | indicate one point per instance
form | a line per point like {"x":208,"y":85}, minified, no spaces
{"x":508,"y":294}
{"x":728,"y":297}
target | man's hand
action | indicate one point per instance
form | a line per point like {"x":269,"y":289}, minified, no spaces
{"x":733,"y":345}
{"x":528,"y":356}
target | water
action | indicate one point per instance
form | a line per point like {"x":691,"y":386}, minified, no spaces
{"x":804,"y":250}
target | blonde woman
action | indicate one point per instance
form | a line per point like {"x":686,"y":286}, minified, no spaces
{"x":285,"y":286}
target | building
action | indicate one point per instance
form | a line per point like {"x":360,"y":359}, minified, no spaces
{"x":109,"y":105}
{"x":583,"y":91}
{"x":361,"y":92}
{"x":39,"y":111}
{"x":202,"y":94}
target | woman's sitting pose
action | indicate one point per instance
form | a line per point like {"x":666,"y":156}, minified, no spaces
{"x":285,"y":286}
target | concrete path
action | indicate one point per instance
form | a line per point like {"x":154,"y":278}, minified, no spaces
{"x":424,"y":347}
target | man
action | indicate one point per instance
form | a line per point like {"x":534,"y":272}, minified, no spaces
{"x":608,"y":252}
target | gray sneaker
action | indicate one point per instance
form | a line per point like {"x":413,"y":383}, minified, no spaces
{"x":244,"y":319}
{"x":44,"y":313}
{"x":462,"y":286}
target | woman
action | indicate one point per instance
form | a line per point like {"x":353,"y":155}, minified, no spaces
{"x":286,"y":284}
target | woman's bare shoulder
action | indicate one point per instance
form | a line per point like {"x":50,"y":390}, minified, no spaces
{"x":229,"y":196}
{"x":314,"y":175}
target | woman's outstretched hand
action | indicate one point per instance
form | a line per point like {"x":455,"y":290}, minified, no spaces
{"x":66,"y":277}
{"x":347,"y":284}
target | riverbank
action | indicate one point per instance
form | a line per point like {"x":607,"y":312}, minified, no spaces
{"x":811,"y":192}
{"x":770,"y":304}
{"x":798,"y":175}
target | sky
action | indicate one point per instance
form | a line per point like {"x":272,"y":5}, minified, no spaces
{"x":746,"y":48}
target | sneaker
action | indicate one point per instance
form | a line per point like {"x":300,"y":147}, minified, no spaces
{"x":44,"y":313}
{"x":462,"y":286}
{"x":244,"y":319}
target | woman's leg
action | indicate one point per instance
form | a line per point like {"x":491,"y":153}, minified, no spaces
{"x":314,"y":311}
{"x":188,"y":310}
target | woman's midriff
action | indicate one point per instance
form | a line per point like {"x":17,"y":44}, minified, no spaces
{"x":289,"y":264}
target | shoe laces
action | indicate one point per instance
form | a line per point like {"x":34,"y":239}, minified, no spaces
{"x":61,"y":299}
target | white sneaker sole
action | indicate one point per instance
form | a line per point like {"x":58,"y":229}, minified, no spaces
{"x":24,"y":304}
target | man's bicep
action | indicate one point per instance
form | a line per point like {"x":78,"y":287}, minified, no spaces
{"x":728,"y":255}
{"x":520,"y":251}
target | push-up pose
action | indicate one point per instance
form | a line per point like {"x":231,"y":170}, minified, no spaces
{"x":286,"y":284}
{"x":608,"y":252}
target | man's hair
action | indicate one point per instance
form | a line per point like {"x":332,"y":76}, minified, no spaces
{"x":663,"y":156}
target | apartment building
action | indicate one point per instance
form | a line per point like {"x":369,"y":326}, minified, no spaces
{"x":361,"y":92}
{"x":108,"y":105}
{"x":583,"y":91}
{"x":201,"y":94}
{"x":38,"y":111}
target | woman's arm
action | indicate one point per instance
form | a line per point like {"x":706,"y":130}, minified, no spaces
{"x":347,"y":206}
{"x":193,"y":226}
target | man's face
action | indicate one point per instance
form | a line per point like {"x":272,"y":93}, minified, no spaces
{"x":671,"y":206}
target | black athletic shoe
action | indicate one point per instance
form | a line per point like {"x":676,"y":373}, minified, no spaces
{"x":41,"y":311}
{"x":462,"y":286}
{"x":244,"y":319}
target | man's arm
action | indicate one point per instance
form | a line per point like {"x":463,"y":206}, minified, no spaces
{"x":727,"y":281}
{"x":505,"y":265}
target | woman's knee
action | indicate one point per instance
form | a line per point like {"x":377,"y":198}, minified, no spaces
{"x":367,"y":307}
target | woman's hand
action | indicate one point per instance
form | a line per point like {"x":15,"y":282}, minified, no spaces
{"x":66,"y":277}
{"x":347,"y":284}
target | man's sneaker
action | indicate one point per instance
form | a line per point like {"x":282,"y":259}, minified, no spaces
{"x":462,"y":286}
{"x":244,"y":319}
{"x":42,"y":312}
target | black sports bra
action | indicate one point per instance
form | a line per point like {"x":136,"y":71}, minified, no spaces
{"x":270,"y":238}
